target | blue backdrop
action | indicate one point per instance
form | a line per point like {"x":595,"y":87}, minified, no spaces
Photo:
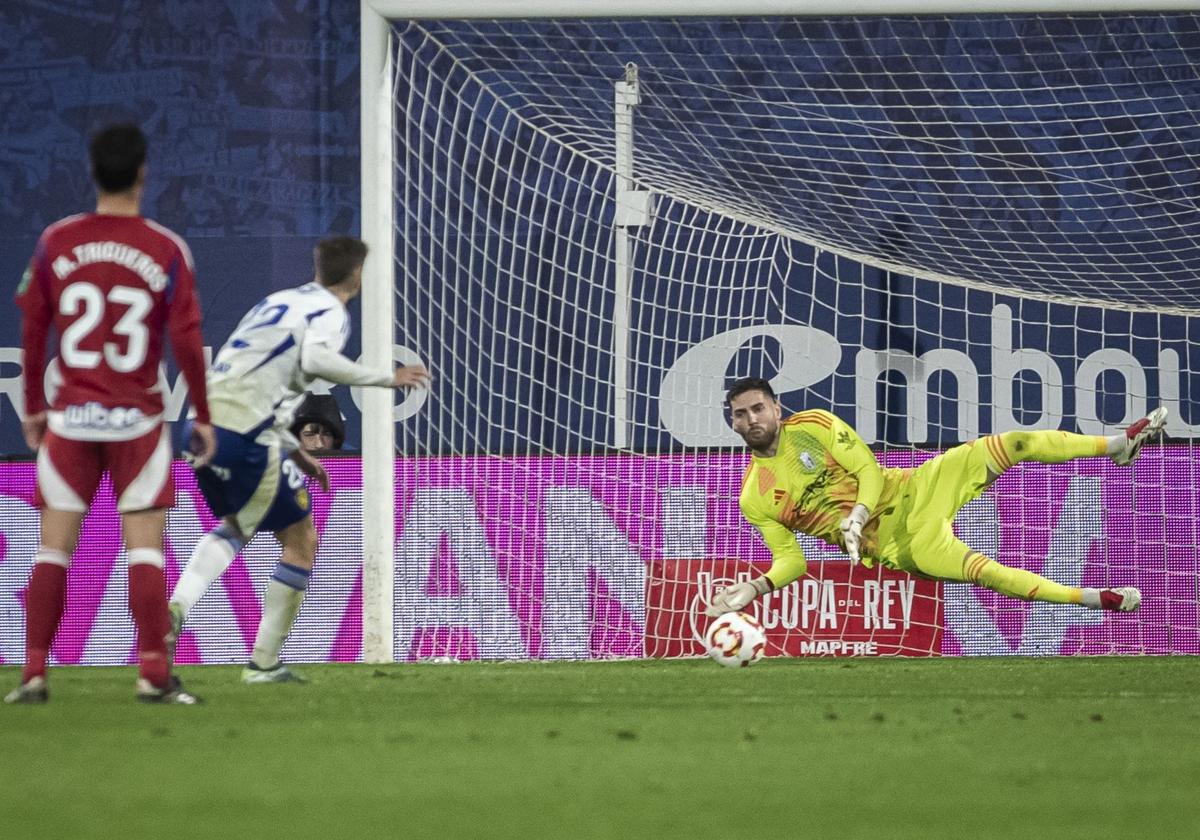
{"x":1103,"y":211}
{"x":251,"y":107}
{"x":251,"y":110}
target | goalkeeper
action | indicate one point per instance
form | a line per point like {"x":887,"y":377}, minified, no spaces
{"x":812,"y":473}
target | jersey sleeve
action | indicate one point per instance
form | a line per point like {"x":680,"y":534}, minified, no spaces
{"x":33,"y":297}
{"x":330,"y":328}
{"x":183,"y":324}
{"x":321,"y":360}
{"x":856,"y":458}
{"x":787,"y":558}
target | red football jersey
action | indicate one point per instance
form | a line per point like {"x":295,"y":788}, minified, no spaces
{"x":113,"y":287}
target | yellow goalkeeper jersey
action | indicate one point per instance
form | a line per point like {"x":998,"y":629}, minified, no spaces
{"x":820,"y":470}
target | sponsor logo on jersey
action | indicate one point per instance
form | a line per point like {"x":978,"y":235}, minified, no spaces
{"x":92,"y":415}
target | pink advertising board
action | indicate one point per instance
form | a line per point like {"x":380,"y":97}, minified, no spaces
{"x":606,"y":556}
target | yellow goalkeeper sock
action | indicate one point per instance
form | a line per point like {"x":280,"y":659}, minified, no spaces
{"x":1045,"y":447}
{"x":1017,"y":583}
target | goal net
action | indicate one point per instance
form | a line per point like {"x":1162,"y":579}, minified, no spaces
{"x":936,"y":227}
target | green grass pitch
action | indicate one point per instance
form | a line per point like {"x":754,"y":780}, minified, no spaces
{"x":814,"y":748}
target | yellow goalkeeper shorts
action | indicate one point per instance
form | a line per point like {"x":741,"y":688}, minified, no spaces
{"x":916,"y":533}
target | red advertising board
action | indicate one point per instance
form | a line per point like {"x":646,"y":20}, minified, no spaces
{"x":834,"y":610}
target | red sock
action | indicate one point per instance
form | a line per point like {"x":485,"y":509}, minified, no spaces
{"x":148,"y":603}
{"x":45,"y":600}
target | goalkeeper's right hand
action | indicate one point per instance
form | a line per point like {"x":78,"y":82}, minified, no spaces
{"x":736,"y":597}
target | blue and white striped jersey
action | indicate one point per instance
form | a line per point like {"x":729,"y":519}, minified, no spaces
{"x":257,"y":378}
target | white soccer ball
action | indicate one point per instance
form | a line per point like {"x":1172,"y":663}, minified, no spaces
{"x":736,"y":640}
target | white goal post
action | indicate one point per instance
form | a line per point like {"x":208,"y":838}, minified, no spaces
{"x":379,"y":228}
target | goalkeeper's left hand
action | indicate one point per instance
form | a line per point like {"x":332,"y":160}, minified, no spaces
{"x":852,"y":528}
{"x":736,"y":597}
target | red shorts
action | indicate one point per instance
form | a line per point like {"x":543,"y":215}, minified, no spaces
{"x":69,"y":472}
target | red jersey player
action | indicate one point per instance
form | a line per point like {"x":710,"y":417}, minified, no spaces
{"x":113,"y":285}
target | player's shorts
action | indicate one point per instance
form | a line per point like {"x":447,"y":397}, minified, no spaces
{"x":252,"y":483}
{"x":69,"y":471}
{"x":919,"y":525}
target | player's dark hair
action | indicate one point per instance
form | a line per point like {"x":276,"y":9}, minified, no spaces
{"x":336,"y":258}
{"x":323,"y":410}
{"x":117,"y":153}
{"x":750,"y":383}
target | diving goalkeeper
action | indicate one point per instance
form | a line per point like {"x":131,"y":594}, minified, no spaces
{"x":812,"y":473}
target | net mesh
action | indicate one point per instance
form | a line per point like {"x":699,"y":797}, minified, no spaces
{"x":936,"y":227}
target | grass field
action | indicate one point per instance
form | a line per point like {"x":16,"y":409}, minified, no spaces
{"x":821,"y":748}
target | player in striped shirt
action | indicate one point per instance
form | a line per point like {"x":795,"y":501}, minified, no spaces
{"x":812,"y":473}
{"x":255,"y":481}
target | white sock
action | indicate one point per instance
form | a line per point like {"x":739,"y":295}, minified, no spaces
{"x":281,"y":605}
{"x":1116,"y":443}
{"x":208,"y":562}
{"x":1091,"y":598}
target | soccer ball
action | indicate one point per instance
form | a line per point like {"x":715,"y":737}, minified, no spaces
{"x":736,"y":640}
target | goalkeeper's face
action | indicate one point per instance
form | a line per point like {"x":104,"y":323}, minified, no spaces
{"x":755,"y":416}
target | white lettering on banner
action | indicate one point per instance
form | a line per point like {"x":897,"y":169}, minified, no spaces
{"x":483,"y":608}
{"x":19,"y":525}
{"x":1080,"y":522}
{"x":692,"y":391}
{"x":684,"y":522}
{"x":806,"y":604}
{"x":1168,"y":395}
{"x":692,"y":394}
{"x":52,"y":380}
{"x":691,"y":398}
{"x":580,"y":537}
{"x":339,"y":560}
{"x":12,"y":386}
{"x":1086,"y":388}
{"x":111,"y":633}
{"x":414,"y":398}
{"x":175,"y":396}
{"x":833,"y":647}
{"x":917,"y":371}
{"x":1006,"y":364}
{"x":798,"y":603}
{"x":880,"y":609}
{"x":213,"y":621}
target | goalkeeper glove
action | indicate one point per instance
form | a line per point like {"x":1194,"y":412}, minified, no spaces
{"x":852,"y":528}
{"x":736,"y":597}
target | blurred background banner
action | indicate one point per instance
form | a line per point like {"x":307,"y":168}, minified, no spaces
{"x":608,"y":556}
{"x":251,"y":109}
{"x":251,"y":113}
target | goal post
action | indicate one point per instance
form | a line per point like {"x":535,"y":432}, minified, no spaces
{"x":378,"y":335}
{"x":572,"y":489}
